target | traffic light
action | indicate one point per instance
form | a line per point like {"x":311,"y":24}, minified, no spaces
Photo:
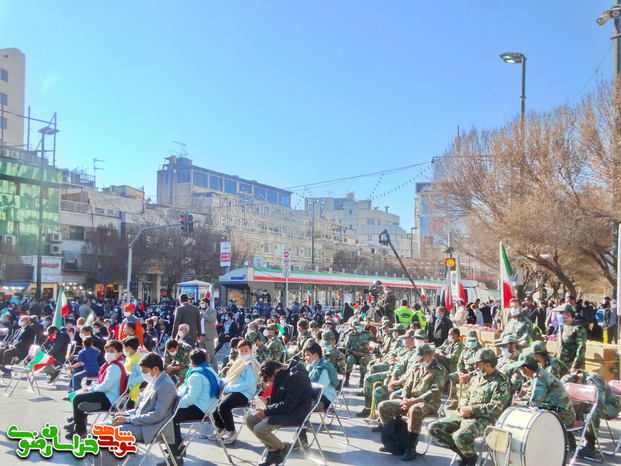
{"x":190,"y":224}
{"x":449,"y":262}
{"x":184,"y":223}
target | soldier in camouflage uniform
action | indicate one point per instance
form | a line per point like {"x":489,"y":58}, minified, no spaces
{"x":608,"y":407}
{"x":389,"y":376}
{"x":465,"y":365}
{"x":274,"y":343}
{"x":384,"y":347}
{"x":420,"y":397}
{"x":296,"y":349}
{"x":546,"y":391}
{"x":357,"y":350}
{"x":331,"y":353}
{"x":386,"y":361}
{"x":260,"y":352}
{"x":448,"y":353}
{"x":315,"y":330}
{"x":573,"y":340}
{"x":518,"y":326}
{"x":510,"y":352}
{"x":487,"y":396}
{"x":177,"y":360}
{"x":547,"y":362}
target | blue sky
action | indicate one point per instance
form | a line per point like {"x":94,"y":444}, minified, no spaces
{"x":293,"y":92}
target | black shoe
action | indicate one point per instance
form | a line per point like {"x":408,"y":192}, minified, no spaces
{"x":364,"y":413}
{"x":53,"y":378}
{"x":469,"y":461}
{"x":69,"y":427}
{"x":409,"y":454}
{"x":178,"y":459}
{"x":302,"y":441}
{"x":280,"y":455}
{"x":360,"y":394}
{"x":589,"y":453}
{"x":70,"y":419}
{"x":385,"y":450}
{"x":89,"y":406}
{"x":268,"y":458}
{"x":378,"y":428}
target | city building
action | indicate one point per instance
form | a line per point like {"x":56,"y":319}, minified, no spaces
{"x":430,"y":233}
{"x":12,"y":85}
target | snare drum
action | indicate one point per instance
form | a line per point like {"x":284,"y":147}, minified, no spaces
{"x":537,"y":437}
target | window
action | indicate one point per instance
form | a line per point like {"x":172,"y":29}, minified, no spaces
{"x":245,"y":188}
{"x":76,"y":233}
{"x":99,"y":210}
{"x":4,"y":75}
{"x":16,"y":228}
{"x":183,"y":176}
{"x":4,"y":99}
{"x":272,"y":197}
{"x":259,"y":193}
{"x":44,"y":193}
{"x":284,"y":199}
{"x":2,"y":122}
{"x":201,"y":179}
{"x":215,"y":182}
{"x":230,"y":186}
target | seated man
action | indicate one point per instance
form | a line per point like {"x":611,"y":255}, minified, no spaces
{"x":260,"y":351}
{"x":199,"y":393}
{"x":241,"y":384}
{"x":289,"y":403}
{"x":100,"y":396}
{"x":155,"y":405}
{"x":177,"y":360}
{"x":448,"y":353}
{"x":132,"y":366}
{"x":420,"y":397}
{"x":21,"y":344}
{"x":183,"y":334}
{"x":87,"y":364}
{"x":486,"y":397}
{"x":56,"y":346}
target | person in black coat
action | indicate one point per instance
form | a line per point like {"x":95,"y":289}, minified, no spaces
{"x":228,"y":329}
{"x":56,"y":346}
{"x":441,"y":327}
{"x":290,"y":402}
{"x":21,"y":344}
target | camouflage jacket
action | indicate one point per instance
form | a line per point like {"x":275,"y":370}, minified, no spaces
{"x":358,"y":342}
{"x":262,"y":354}
{"x":427,"y":383}
{"x":300,"y":342}
{"x":182,"y":358}
{"x":548,"y":392}
{"x":406,"y":360}
{"x":449,"y":353}
{"x":337,"y":359}
{"x":466,"y":359}
{"x":520,"y":327}
{"x":488,"y":396}
{"x":555,"y":367}
{"x":276,"y":348}
{"x":573,"y":345}
{"x":506,"y":366}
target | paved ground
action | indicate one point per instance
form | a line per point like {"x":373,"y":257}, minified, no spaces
{"x":31,"y":411}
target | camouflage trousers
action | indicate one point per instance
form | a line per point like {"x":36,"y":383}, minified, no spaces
{"x":457,"y":432}
{"x":378,"y":367}
{"x":362,"y":361}
{"x":367,"y":388}
{"x":390,"y":409}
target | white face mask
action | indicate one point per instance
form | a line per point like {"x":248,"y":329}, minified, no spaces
{"x":147,"y":377}
{"x":505,"y":352}
{"x":182,"y":333}
{"x":173,"y":354}
{"x":111,"y":357}
{"x":418,"y":342}
{"x":127,"y":314}
{"x":203,"y":306}
{"x":515,"y":311}
{"x":266,"y":333}
{"x":451,"y":338}
{"x":245,"y":357}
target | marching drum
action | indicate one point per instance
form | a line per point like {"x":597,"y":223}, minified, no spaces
{"x":537,"y":437}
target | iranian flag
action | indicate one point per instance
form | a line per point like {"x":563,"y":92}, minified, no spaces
{"x":506,"y":272}
{"x":309,"y":294}
{"x":423,"y":294}
{"x":91,"y":318}
{"x":62,"y":308}
{"x":210,"y":291}
{"x":40,"y":360}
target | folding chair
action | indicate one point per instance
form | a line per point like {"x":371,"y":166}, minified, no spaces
{"x":615,"y":388}
{"x":159,"y":438}
{"x":498,"y":442}
{"x":317,"y":394}
{"x":583,"y":394}
{"x":119,"y":405}
{"x":21,"y":371}
{"x":246,"y":412}
{"x":329,"y":414}
{"x":434,"y":417}
{"x":340,"y":398}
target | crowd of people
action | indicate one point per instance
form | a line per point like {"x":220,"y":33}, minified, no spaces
{"x":408,"y":361}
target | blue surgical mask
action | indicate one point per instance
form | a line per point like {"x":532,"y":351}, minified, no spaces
{"x":472,"y":344}
{"x":437,"y":315}
{"x":329,"y":348}
{"x":560,"y":318}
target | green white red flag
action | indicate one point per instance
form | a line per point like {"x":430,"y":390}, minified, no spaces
{"x":40,"y":360}
{"x":506,"y":272}
{"x":92,"y":317}
{"x":309,"y":295}
{"x":62,"y":308}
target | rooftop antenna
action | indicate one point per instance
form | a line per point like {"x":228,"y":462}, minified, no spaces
{"x":182,"y":152}
{"x":95,"y":168}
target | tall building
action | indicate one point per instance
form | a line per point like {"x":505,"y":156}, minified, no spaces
{"x":12,"y":85}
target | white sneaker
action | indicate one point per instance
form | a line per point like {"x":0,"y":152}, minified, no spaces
{"x":229,"y":437}
{"x":216,"y":434}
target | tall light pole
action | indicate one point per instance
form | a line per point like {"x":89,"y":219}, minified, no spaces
{"x":516,"y":57}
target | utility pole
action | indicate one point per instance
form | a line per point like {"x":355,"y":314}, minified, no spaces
{"x":313,"y":235}
{"x":40,"y":220}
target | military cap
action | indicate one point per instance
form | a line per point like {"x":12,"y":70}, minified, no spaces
{"x":421,"y":351}
{"x":252,"y":336}
{"x":472,"y":336}
{"x":527,"y":360}
{"x":568,"y":308}
{"x":273,"y":327}
{"x":539,"y":347}
{"x":313,"y":324}
{"x":327,"y":336}
{"x":506,"y":340}
{"x":420,"y":333}
{"x":411,"y":333}
{"x":485,"y":355}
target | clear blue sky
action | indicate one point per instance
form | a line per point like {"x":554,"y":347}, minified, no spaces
{"x":292,"y":92}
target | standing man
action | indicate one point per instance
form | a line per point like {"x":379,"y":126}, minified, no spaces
{"x":573,"y":340}
{"x":189,"y":314}
{"x":208,"y":332}
{"x":441,"y":327}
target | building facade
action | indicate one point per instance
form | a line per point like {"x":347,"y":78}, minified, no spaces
{"x":12,"y":85}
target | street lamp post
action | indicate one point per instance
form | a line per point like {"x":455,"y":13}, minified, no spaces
{"x":516,"y":57}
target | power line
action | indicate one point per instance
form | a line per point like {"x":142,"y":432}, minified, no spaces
{"x":593,"y":74}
